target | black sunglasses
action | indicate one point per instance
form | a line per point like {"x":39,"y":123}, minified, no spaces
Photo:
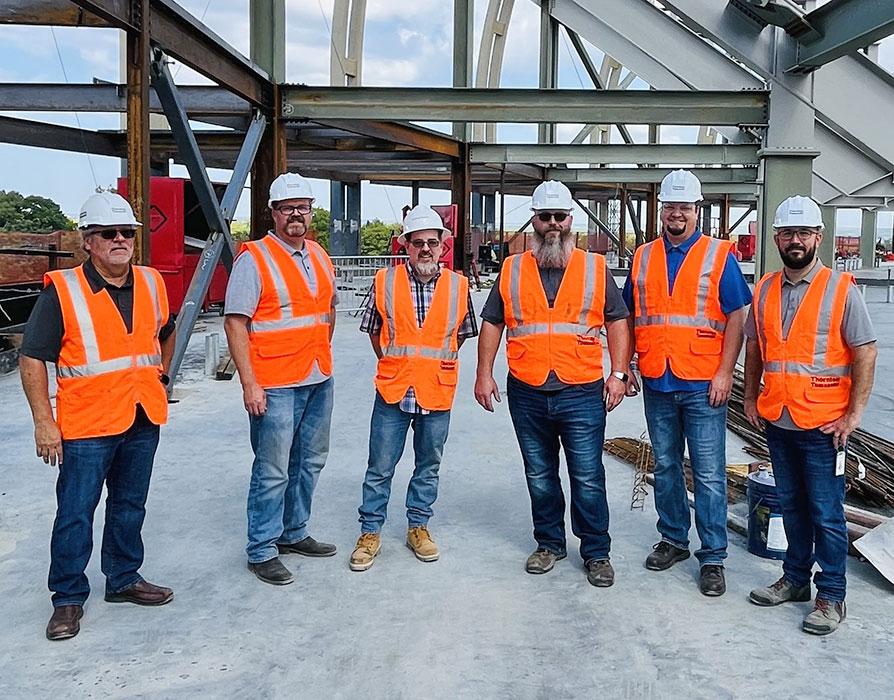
{"x":559,"y":216}
{"x":109,"y":234}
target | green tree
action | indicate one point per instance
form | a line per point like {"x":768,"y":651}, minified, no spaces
{"x":32,"y":214}
{"x":320,"y":224}
{"x":375,"y":237}
{"x":240,"y":230}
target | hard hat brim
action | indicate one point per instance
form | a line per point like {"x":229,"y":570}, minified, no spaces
{"x":445,"y":234}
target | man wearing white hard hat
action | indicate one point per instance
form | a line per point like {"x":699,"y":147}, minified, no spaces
{"x":417,"y":318}
{"x":280,"y":315}
{"x":687,"y":299}
{"x":810,"y":338}
{"x":554,"y":301}
{"x":105,"y":326}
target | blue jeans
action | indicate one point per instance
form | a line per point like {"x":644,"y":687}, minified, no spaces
{"x":290,"y":442}
{"x":124,"y":463}
{"x":671,"y":418}
{"x":574,"y":416}
{"x":812,"y":501}
{"x":387,"y":436}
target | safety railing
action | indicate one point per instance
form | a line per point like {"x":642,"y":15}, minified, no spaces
{"x":354,"y":275}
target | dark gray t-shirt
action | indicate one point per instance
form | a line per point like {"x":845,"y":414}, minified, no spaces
{"x":551,"y":278}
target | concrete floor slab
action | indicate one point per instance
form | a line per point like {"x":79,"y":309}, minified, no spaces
{"x":472,"y":625}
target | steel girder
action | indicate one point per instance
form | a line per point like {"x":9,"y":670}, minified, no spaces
{"x":622,"y":176}
{"x":522,"y":105}
{"x":646,"y":154}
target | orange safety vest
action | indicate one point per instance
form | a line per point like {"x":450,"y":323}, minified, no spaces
{"x":564,"y":338}
{"x":808,"y":372}
{"x":684,"y":329}
{"x":103,"y":371}
{"x":290,"y":327}
{"x":423,"y":358}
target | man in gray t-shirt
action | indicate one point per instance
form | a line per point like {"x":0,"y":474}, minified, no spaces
{"x":810,"y":338}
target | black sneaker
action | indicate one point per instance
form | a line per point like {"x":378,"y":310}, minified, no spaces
{"x":711,"y":581}
{"x":664,"y":555}
{"x":600,"y":573}
{"x":271,"y":571}
{"x":307,"y":547}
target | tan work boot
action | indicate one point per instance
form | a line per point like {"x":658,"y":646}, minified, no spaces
{"x":825,"y":618}
{"x":421,"y":543}
{"x":365,"y":551}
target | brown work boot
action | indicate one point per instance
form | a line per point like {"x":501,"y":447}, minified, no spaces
{"x":542,"y":561}
{"x":365,"y":551}
{"x":780,"y":592}
{"x":65,"y":622}
{"x":422,"y":544}
{"x":142,"y":593}
{"x":600,"y":573}
{"x":825,"y":617}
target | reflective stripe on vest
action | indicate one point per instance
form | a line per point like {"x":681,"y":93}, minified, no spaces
{"x":94,"y":365}
{"x":580,"y":328}
{"x":817,"y":368}
{"x":700,"y":319}
{"x":453,"y":320}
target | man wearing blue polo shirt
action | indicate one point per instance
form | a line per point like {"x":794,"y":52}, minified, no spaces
{"x":687,"y":300}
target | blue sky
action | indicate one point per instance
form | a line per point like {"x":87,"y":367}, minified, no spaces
{"x":406,"y":43}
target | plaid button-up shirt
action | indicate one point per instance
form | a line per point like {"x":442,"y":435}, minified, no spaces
{"x":422,"y":292}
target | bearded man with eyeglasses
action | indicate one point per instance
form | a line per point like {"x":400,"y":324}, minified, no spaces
{"x":554,"y":300}
{"x":106,"y":327}
{"x":687,"y":299}
{"x":280,"y":316}
{"x":417,"y":318}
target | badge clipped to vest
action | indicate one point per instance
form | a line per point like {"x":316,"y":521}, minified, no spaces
{"x":840,"y":459}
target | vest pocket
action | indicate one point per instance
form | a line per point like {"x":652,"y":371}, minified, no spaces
{"x":514,"y":351}
{"x":447,"y":377}
{"x":279,"y":347}
{"x":388,"y":368}
{"x":829,"y":393}
{"x":706,"y":346}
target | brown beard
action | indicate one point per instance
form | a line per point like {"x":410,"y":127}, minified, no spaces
{"x":553,"y":254}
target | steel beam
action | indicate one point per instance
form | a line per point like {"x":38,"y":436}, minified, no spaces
{"x":869,"y":221}
{"x":841,"y":28}
{"x":461,"y":195}
{"x":60,"y":13}
{"x":646,"y":175}
{"x":410,"y":135}
{"x":198,"y":100}
{"x":138,"y":146}
{"x":523,"y":105}
{"x":267,"y":37}
{"x":463,"y":33}
{"x":23,"y":132}
{"x":647,"y":154}
{"x":115,"y":13}
{"x":548,"y":65}
{"x":346,"y":53}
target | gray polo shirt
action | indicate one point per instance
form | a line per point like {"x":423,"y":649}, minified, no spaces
{"x":856,"y":326}
{"x":244,"y":292}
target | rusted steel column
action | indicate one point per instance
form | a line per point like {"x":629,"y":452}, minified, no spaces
{"x":461,"y":195}
{"x":138,"y":151}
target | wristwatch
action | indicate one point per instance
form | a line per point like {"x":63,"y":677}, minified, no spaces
{"x":165,"y":379}
{"x":620,"y":375}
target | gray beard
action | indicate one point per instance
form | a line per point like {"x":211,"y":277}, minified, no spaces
{"x":552,"y":254}
{"x":427,"y":269}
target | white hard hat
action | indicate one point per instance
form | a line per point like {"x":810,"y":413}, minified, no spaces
{"x":289,"y":186}
{"x":106,"y":209}
{"x":798,"y":212}
{"x":422,"y":218}
{"x":552,"y":195}
{"x":680,"y":186}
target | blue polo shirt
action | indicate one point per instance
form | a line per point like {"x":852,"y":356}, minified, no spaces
{"x":734,"y":294}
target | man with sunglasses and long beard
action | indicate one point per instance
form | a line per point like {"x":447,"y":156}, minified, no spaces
{"x":687,"y":299}
{"x":106,"y":327}
{"x":280,"y":315}
{"x":417,"y":318}
{"x":810,"y":337}
{"x":554,"y":301}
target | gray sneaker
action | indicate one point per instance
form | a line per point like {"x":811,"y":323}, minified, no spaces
{"x":542,"y":561}
{"x":825,"y":618}
{"x":782,"y":591}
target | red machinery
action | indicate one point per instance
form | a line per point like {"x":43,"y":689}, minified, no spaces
{"x":447,"y":212}
{"x":175,"y":216}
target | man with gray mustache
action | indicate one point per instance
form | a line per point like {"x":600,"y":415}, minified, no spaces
{"x":553,"y":302}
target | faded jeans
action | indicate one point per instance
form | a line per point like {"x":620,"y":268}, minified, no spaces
{"x":671,"y":418}
{"x":387,"y":438}
{"x":291,"y":443}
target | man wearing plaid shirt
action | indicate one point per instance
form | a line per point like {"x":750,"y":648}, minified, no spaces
{"x":415,"y":380}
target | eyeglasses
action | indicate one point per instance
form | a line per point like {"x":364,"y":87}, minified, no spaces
{"x":110,"y":234}
{"x":419,"y":244}
{"x":289,"y":209}
{"x":802,"y":234}
{"x":559,"y":216}
{"x":684,"y":208}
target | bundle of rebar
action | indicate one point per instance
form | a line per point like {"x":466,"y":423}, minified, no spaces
{"x":869,"y":466}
